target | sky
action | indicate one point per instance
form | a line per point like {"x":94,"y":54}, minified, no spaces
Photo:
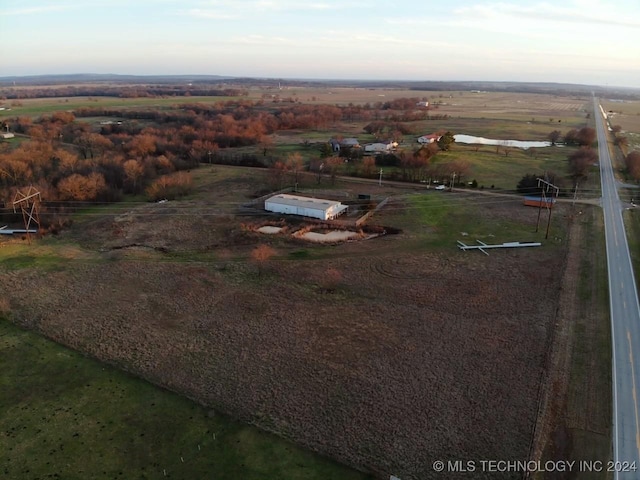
{"x":589,"y":42}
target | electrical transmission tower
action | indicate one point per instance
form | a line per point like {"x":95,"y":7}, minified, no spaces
{"x":29,"y":204}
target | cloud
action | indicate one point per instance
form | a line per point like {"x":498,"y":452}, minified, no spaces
{"x":263,"y":41}
{"x":210,"y":13}
{"x":289,"y":6}
{"x":31,"y":10}
{"x":277,"y":6}
{"x":583,"y":12}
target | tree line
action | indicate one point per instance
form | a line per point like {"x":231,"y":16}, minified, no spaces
{"x":143,"y":150}
{"x":138,"y":91}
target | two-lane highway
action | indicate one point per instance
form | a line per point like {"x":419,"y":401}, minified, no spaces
{"x":625,"y":320}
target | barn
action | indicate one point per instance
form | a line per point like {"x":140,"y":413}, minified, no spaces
{"x":304,"y":206}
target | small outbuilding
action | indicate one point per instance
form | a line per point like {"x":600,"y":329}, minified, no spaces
{"x":531,"y":201}
{"x":337,"y":144}
{"x":304,"y":206}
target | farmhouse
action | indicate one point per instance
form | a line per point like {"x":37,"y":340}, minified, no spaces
{"x":422,"y":104}
{"x":426,"y":139}
{"x":305,"y":206}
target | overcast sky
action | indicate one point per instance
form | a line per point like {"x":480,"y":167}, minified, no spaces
{"x":577,"y":41}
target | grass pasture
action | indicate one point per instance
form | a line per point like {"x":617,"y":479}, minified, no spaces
{"x":382,"y":356}
{"x":63,"y":415}
{"x":625,"y":113}
{"x":489,"y":167}
{"x":34,"y":107}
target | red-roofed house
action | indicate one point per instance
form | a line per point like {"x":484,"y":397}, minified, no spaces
{"x":432,"y":137}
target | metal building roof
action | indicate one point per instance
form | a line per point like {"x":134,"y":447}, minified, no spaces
{"x":303,"y":202}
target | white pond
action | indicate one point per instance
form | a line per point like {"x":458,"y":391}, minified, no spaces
{"x":333,"y":236}
{"x":269,"y":229}
{"x":502,"y":143}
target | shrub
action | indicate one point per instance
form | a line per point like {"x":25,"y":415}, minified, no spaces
{"x":170,"y":186}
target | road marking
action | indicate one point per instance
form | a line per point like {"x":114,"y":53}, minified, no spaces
{"x":635,"y":397}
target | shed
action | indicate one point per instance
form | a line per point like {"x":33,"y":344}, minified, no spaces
{"x":337,"y":144}
{"x":304,"y":206}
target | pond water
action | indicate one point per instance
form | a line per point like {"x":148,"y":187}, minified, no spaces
{"x":501,"y":143}
{"x":332,"y":236}
{"x":269,"y":229}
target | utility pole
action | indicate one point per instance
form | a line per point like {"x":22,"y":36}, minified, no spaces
{"x":575,"y":195}
{"x":380,"y":180}
{"x":453,"y":180}
{"x":548,"y":202}
{"x":540,"y":207}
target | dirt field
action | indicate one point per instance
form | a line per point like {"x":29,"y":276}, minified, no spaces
{"x":420,"y":351}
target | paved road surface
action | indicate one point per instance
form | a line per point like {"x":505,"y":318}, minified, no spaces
{"x":625,"y":318}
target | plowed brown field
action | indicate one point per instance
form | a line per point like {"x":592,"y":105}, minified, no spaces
{"x":419,"y":354}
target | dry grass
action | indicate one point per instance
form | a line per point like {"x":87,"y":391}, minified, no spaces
{"x":5,"y":305}
{"x":405,"y":356}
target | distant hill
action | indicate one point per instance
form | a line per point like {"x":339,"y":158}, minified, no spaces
{"x":426,"y":85}
{"x":30,"y":80}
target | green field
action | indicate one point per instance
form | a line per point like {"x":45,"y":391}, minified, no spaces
{"x":451,"y":214}
{"x":39,"y":106}
{"x":63,"y":415}
{"x":489,"y":167}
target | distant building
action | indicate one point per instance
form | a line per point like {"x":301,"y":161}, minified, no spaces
{"x":380,"y":147}
{"x":6,"y":135}
{"x":336,"y":144}
{"x":304,"y":206}
{"x":422,"y":104}
{"x":426,"y":139}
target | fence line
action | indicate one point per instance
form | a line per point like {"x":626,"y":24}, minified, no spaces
{"x":366,"y":216}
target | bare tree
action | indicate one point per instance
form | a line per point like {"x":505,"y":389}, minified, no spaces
{"x":133,"y":171}
{"x":554,"y":136}
{"x":294,"y":164}
{"x":633,"y":165}
{"x":580,"y":161}
{"x":330,"y":280}
{"x":277,"y":174}
{"x":334,"y":165}
{"x":368,"y":166}
{"x":261,"y":256}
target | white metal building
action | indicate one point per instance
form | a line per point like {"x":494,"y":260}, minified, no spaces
{"x":305,"y":206}
{"x":380,"y":147}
